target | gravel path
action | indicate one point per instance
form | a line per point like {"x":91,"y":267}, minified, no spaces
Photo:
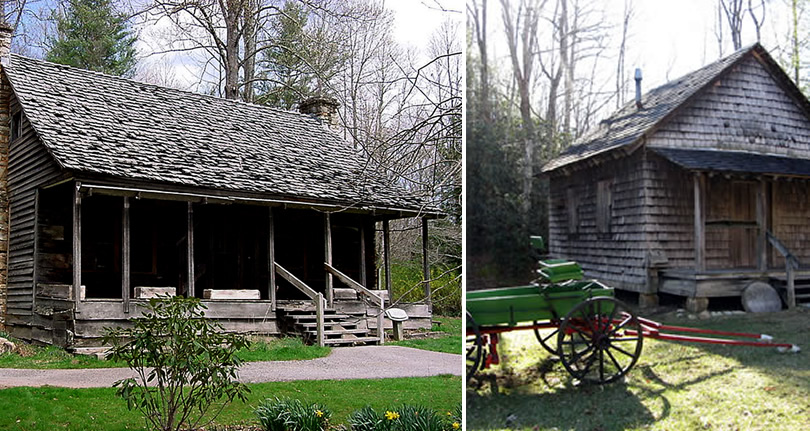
{"x":363,"y":362}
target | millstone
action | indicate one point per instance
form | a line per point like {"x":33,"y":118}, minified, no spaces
{"x":760,"y":297}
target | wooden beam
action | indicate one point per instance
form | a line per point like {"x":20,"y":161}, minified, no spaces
{"x":425,"y":263}
{"x":700,"y":221}
{"x":271,"y":259}
{"x":126,"y":279}
{"x":77,"y":242}
{"x":387,"y":259}
{"x":191,"y":292}
{"x":327,"y":241}
{"x":762,"y":224}
{"x":363,"y":278}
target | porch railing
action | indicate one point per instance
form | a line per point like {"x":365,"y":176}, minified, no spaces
{"x":364,"y":291}
{"x":316,"y":297}
{"x":791,"y":265}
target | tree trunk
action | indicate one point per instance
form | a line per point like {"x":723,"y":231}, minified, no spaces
{"x":249,"y":38}
{"x":232,"y":16}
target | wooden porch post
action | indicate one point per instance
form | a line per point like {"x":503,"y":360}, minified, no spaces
{"x":363,"y":277}
{"x":77,"y":242}
{"x":191,"y":293}
{"x":125,"y":254}
{"x":425,"y":263}
{"x":327,"y":232}
{"x":700,"y":221}
{"x":387,"y":259}
{"x":271,"y":259}
{"x":762,"y":225}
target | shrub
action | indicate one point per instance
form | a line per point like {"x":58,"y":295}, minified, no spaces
{"x":185,"y":365}
{"x":284,"y":414}
{"x":402,"y":418}
{"x":445,"y":286}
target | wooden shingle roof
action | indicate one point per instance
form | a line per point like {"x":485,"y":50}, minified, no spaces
{"x":627,"y":126}
{"x":109,"y":126}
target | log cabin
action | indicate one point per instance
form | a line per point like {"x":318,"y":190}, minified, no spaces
{"x":114,"y":191}
{"x":699,"y":188}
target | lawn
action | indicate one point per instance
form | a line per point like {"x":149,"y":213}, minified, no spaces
{"x":449,"y":342}
{"x":51,"y":408}
{"x":261,"y":349}
{"x":674,"y":386}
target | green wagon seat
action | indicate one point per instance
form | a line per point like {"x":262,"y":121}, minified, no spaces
{"x":559,"y":270}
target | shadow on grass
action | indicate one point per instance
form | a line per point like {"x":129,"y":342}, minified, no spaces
{"x":785,"y":327}
{"x":544,"y":397}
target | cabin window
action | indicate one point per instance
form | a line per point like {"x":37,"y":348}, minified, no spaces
{"x":15,"y":126}
{"x":572,"y":204}
{"x":604,"y":204}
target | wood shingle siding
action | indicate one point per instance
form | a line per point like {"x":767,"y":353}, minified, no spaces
{"x":699,"y":176}
{"x":745,"y":110}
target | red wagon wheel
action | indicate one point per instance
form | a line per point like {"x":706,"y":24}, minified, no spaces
{"x":599,"y":340}
{"x":474,"y":346}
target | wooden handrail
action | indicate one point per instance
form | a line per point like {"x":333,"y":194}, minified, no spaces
{"x":362,"y":289}
{"x":316,"y":297}
{"x":351,"y":283}
{"x":791,"y":264}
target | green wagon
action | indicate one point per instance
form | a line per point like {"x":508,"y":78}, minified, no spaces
{"x":595,"y":336}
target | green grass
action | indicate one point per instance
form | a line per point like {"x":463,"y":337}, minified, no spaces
{"x":50,"y":357}
{"x":51,"y":408}
{"x":281,"y":349}
{"x":674,"y":386}
{"x":449,"y":342}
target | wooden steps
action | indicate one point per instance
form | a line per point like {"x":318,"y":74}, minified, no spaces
{"x":801,"y":287}
{"x":338,"y":329}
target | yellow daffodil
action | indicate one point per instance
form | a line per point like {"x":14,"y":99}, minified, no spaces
{"x":391,"y":415}
{"x":449,"y":414}
{"x":456,"y":425}
{"x":318,"y":413}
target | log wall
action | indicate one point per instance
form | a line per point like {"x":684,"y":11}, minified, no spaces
{"x":30,"y":166}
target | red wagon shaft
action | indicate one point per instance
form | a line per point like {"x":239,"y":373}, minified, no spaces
{"x":657,"y":330}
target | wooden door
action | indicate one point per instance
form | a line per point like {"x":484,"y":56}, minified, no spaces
{"x":731,"y":224}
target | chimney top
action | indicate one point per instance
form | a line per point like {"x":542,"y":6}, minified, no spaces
{"x":320,"y":107}
{"x":6,"y":33}
{"x":638,"y":89}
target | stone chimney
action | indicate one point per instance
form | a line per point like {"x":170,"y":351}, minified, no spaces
{"x":322,"y":108}
{"x":6,"y":33}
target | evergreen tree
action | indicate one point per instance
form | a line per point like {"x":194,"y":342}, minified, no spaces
{"x":92,"y":35}
{"x":287,"y":80}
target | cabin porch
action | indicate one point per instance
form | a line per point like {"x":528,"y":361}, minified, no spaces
{"x":259,"y":266}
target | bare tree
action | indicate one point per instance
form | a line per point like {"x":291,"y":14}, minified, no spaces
{"x":758,"y":20}
{"x":734,"y":12}
{"x":521,"y":36}
{"x":478,"y":20}
{"x":621,"y":73}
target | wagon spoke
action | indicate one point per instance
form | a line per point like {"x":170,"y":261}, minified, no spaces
{"x":601,"y":365}
{"x":622,"y":350}
{"x":613,"y":340}
{"x":621,"y":325}
{"x":614,"y":360}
